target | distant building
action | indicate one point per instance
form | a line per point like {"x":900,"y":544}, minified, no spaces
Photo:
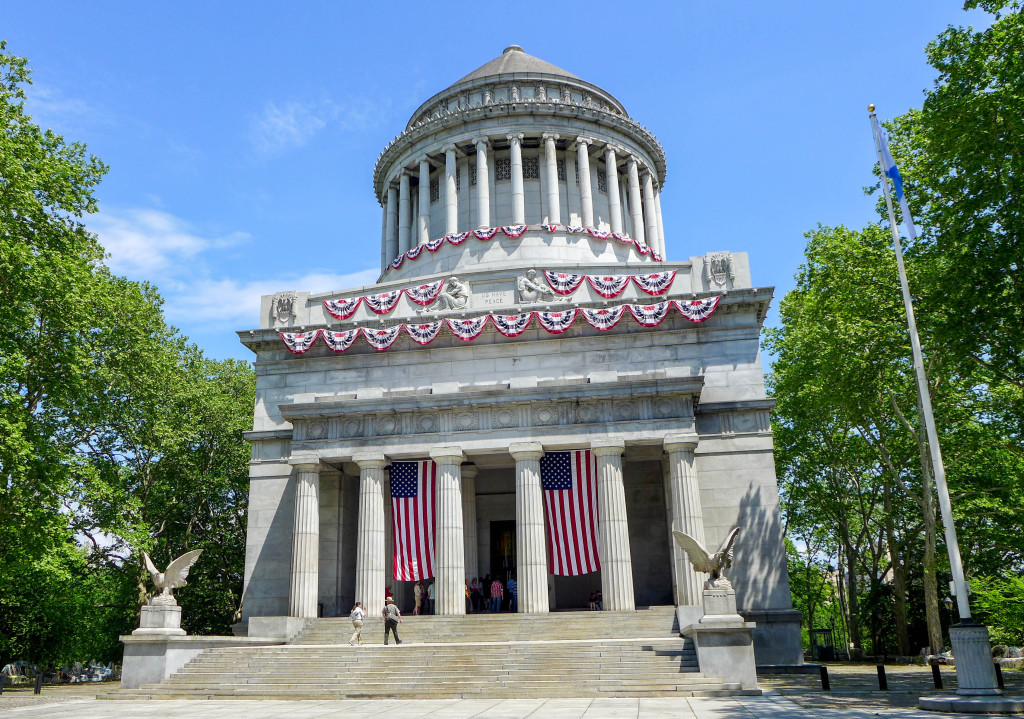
{"x":526,"y":306}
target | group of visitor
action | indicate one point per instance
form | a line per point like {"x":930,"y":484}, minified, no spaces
{"x":491,"y":595}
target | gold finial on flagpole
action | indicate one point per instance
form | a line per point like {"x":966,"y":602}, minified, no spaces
{"x":871,"y":107}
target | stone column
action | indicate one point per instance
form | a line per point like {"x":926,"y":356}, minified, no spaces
{"x":383,"y":234}
{"x":303,"y":589}
{"x":423,"y":230}
{"x":661,"y":224}
{"x":685,"y":515}
{"x":612,"y":173}
{"x":551,"y":166}
{"x":404,"y":214}
{"x":449,"y":544}
{"x":391,"y":228}
{"x":583,"y":165}
{"x":518,"y":195}
{"x":651,"y":214}
{"x":531,"y":554}
{"x":451,"y":200}
{"x":616,"y":564}
{"x":483,"y":190}
{"x":371,"y":577}
{"x":469,"y":521}
{"x":635,"y":208}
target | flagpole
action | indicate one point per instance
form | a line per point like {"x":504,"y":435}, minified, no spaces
{"x":939,"y":470}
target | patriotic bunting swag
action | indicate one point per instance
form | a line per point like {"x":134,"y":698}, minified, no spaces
{"x":457,"y":238}
{"x":608,"y":286}
{"x":656,"y":283}
{"x":425,"y":333}
{"x":413,"y":489}
{"x":599,"y":234}
{"x":384,"y":302}
{"x":549,"y":228}
{"x":340,"y":341}
{"x":512,"y":325}
{"x":343,"y":309}
{"x":299,"y":342}
{"x":603,"y":318}
{"x":574,"y":229}
{"x":563,"y":283}
{"x":569,"y":481}
{"x":556,"y":322}
{"x":650,"y":315}
{"x":435,"y":244}
{"x":514,"y":230}
{"x":468,"y":329}
{"x":697,"y":310}
{"x":414,"y":252}
{"x":486,"y":234}
{"x":425,"y":294}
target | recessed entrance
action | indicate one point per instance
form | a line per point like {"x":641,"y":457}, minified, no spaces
{"x":503,"y":550}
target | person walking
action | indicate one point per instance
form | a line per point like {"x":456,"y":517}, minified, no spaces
{"x":513,"y":589}
{"x":417,"y":591}
{"x":392,"y":618}
{"x":475,"y":594}
{"x":430,"y":598}
{"x":356,"y":616}
{"x":497,"y":594}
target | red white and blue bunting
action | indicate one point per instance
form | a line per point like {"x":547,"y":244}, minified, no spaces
{"x":426,"y":293}
{"x":343,"y":309}
{"x":697,"y":310}
{"x":384,"y":302}
{"x":514,"y":231}
{"x":563,"y":283}
{"x":609,"y":286}
{"x":512,"y":325}
{"x":509,"y":325}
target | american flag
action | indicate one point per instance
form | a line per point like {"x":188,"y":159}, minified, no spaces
{"x":569,"y":480}
{"x":413,"y":487}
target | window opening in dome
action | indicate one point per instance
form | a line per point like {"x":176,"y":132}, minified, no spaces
{"x":560,"y":164}
{"x":531,"y":168}
{"x":503,"y":169}
{"x":435,"y":189}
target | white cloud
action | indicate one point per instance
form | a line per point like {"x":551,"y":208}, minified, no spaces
{"x":293,"y":124}
{"x":50,"y":107}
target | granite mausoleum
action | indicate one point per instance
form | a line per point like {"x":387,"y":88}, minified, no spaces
{"x":530,"y":301}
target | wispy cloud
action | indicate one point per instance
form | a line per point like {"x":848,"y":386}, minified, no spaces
{"x":51,"y":108}
{"x":293,"y":124}
{"x":185,"y":264}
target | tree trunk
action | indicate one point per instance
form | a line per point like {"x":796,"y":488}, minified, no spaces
{"x":899,"y":577}
{"x":853,"y":620}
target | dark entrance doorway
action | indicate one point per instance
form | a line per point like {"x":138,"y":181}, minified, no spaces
{"x":503,"y":550}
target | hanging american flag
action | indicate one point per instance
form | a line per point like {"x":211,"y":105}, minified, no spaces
{"x":569,"y":480}
{"x":413,"y":486}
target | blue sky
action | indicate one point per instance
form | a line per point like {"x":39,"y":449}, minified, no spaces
{"x":241,"y":137}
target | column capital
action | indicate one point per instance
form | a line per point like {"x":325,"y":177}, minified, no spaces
{"x":526,"y":450}
{"x":423,"y":159}
{"x":633,"y":160}
{"x":581,"y":140}
{"x":451,"y":454}
{"x":610,"y":445}
{"x":478,"y":141}
{"x":469,"y":471}
{"x":370,"y":460}
{"x":516,"y":137}
{"x":612,"y":148}
{"x":681,"y":442}
{"x":552,"y":136}
{"x":450,"y":147}
{"x":305,"y":461}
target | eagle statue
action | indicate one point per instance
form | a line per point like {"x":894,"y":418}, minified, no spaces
{"x":171,"y":578}
{"x":703,"y":561}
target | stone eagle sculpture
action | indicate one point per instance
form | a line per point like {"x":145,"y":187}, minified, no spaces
{"x":171,"y":578}
{"x":703,"y":561}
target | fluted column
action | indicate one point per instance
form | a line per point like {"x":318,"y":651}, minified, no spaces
{"x":451,"y":199}
{"x":518,"y":195}
{"x":303,"y":589}
{"x":391,"y":227}
{"x":651,"y":214}
{"x":483,"y":189}
{"x":586,"y":194}
{"x":404,"y":214}
{"x":551,"y":167}
{"x":423,"y":225}
{"x":685,"y":514}
{"x":371,"y":577}
{"x":469,"y":521}
{"x":449,"y":542}
{"x":616,"y":564}
{"x":635,"y":208}
{"x":612,"y":175}
{"x":531,"y":559}
{"x":661,"y":224}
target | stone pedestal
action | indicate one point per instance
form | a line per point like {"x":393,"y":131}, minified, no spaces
{"x":975,"y":674}
{"x":160,"y":621}
{"x":724,"y":642}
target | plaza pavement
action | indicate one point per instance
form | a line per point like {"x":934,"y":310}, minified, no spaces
{"x":854,"y":695}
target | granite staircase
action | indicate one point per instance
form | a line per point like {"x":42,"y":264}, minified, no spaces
{"x":562,"y":654}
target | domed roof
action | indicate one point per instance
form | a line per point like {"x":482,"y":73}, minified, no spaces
{"x":514,"y":60}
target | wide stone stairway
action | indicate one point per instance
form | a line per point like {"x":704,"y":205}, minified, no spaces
{"x":562,"y":654}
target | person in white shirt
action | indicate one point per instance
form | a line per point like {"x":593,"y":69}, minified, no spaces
{"x":356,"y":616}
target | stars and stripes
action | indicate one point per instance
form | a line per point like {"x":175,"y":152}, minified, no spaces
{"x":413,"y":518}
{"x":605,"y":318}
{"x":569,"y":481}
{"x":384,"y":302}
{"x":514,"y":230}
{"x":381,"y":339}
{"x":556,"y":322}
{"x":608,"y":286}
{"x":486,"y":234}
{"x":512,"y":325}
{"x":299,"y":342}
{"x":340,"y":341}
{"x":655,"y":283}
{"x":650,"y":315}
{"x":563,"y":283}
{"x":468,"y":329}
{"x":424,"y":333}
{"x":697,"y":310}
{"x":425,"y":294}
{"x":343,"y":309}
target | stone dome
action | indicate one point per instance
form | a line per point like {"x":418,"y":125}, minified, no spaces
{"x":512,"y":61}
